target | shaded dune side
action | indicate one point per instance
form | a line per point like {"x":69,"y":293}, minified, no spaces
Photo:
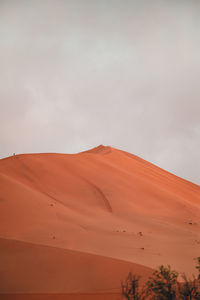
{"x":28,"y":268}
{"x":62,"y":296}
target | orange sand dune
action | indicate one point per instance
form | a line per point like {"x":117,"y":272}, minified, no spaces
{"x":29,"y":268}
{"x":68,"y":296}
{"x":103,"y":201}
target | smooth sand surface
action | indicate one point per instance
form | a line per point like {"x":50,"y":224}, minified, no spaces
{"x":103,"y":202}
{"x":74,"y":296}
{"x":28,"y":267}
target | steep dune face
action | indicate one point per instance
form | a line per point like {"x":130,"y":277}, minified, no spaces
{"x":103,"y":201}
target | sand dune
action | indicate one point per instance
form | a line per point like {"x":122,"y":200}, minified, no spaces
{"x":102,"y":202}
{"x":45,"y":269}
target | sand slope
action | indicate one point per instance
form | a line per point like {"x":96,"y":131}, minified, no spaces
{"x":103,"y":201}
{"x":35,"y":268}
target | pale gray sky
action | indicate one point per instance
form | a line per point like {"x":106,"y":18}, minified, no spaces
{"x":78,"y":73}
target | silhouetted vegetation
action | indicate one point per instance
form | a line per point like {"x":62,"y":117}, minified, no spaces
{"x":162,"y":285}
{"x":198,"y":266}
{"x":189,"y":289}
{"x":130,"y":288}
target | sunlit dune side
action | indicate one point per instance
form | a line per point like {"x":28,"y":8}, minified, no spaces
{"x":105,"y":202}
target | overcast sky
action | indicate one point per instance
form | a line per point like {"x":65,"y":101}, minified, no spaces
{"x":78,"y":73}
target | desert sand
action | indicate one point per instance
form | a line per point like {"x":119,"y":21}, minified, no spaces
{"x":74,"y":225}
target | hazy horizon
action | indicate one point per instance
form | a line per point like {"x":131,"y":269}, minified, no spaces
{"x":76,"y":74}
